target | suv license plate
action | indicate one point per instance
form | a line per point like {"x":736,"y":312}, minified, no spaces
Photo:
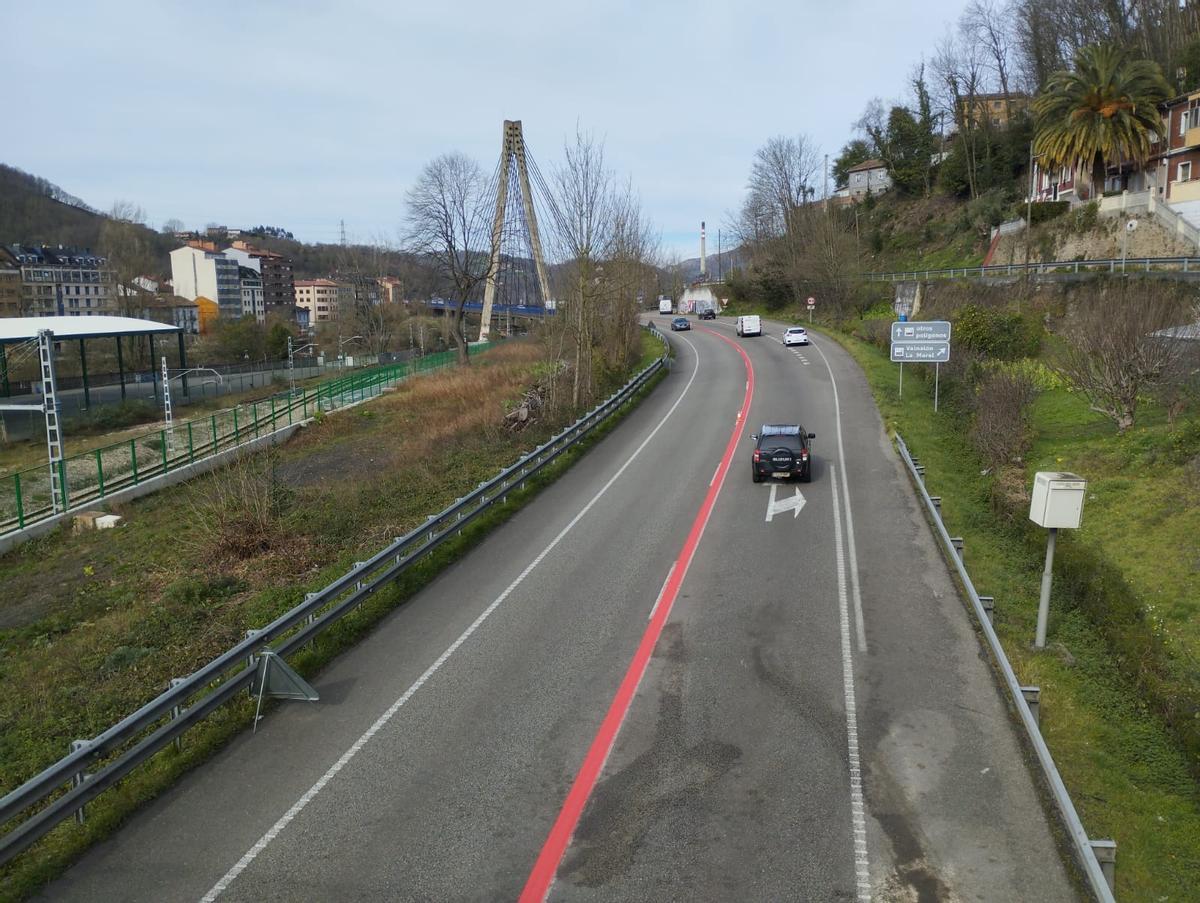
{"x":781,"y":473}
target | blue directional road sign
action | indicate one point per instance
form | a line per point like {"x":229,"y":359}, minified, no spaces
{"x":921,"y":341}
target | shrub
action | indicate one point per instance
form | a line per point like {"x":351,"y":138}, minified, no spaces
{"x":1044,"y":211}
{"x":1000,"y":429}
{"x":996,"y":333}
{"x":238,"y":512}
{"x":107,"y":417}
{"x":876,"y":331}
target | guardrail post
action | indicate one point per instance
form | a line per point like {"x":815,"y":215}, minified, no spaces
{"x":957,"y":542}
{"x":1106,"y":855}
{"x":213,"y":421}
{"x":937,"y":504}
{"x":100,"y":472}
{"x":162,"y":441}
{"x":176,"y":710}
{"x":1033,"y":698}
{"x":191,"y":445}
{"x":989,"y":607}
{"x":236,"y":431}
{"x":252,"y":659}
{"x":133,"y":460}
{"x":80,"y":777}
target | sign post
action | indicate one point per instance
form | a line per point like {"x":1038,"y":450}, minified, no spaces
{"x":921,"y":342}
{"x":812,"y":302}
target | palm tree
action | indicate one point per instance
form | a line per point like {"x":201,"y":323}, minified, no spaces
{"x":1103,"y":111}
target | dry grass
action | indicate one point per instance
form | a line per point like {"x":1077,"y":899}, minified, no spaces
{"x":92,"y":625}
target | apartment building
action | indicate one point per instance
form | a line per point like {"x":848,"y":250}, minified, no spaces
{"x":63,"y":281}
{"x":252,"y":294}
{"x":10,"y":285}
{"x":320,"y":297}
{"x":278,"y":278}
{"x":199,"y":270}
{"x":391,"y":290}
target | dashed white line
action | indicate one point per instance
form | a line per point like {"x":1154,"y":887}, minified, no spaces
{"x":242,"y":864}
{"x":854,"y":581}
{"x":862,"y":871}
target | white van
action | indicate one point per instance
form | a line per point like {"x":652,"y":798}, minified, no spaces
{"x":749,"y":325}
{"x":664,"y":305}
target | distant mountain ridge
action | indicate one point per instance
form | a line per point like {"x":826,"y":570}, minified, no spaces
{"x":35,"y":211}
{"x":689,"y":270}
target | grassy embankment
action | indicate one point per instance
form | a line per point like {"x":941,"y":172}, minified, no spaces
{"x":1126,"y":769}
{"x":94,"y":624}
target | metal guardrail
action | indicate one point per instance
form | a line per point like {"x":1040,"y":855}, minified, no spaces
{"x":94,"y":475}
{"x":1081,"y":844}
{"x":1110,"y":265}
{"x":118,"y":750}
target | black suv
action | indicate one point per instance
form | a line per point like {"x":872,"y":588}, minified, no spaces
{"x":782,"y":450}
{"x":708,"y":313}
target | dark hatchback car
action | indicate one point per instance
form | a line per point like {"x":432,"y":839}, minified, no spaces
{"x":782,"y":450}
{"x":708,"y":314}
{"x":680,"y":323}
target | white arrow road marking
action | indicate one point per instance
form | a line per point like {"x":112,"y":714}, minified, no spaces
{"x":793,"y":504}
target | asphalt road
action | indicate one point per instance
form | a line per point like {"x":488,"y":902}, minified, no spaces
{"x":652,"y":683}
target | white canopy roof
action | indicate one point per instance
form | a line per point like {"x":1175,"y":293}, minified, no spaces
{"x":22,"y":329}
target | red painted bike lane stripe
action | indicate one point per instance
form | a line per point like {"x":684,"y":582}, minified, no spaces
{"x":546,"y":867}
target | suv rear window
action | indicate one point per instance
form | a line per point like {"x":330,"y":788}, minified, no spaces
{"x":792,"y":443}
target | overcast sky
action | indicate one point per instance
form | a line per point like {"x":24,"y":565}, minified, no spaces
{"x":301,"y":113}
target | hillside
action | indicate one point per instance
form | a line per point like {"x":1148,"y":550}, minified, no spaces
{"x":34,"y":211}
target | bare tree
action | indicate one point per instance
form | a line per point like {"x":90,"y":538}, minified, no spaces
{"x":605,"y":250}
{"x":171,"y":226}
{"x":986,"y":24}
{"x":782,"y":179}
{"x":126,"y":244}
{"x":1113,"y":346}
{"x":449,"y":225}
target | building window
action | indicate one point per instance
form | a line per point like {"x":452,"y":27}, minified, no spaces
{"x":1185,"y":171}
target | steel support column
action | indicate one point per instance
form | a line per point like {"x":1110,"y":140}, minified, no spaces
{"x":183,"y":365}
{"x":87,"y":389}
{"x":153,"y":369}
{"x":121,"y":368}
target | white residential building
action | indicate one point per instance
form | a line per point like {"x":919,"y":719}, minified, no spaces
{"x":252,"y":294}
{"x":200,"y":272}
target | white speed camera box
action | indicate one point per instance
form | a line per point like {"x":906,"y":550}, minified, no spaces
{"x":1057,"y":499}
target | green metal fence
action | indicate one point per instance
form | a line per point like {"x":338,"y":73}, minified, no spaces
{"x":25,"y":497}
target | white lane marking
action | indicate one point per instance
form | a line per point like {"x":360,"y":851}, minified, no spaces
{"x":793,"y":504}
{"x":858,"y":816}
{"x":658,"y":598}
{"x":297,"y":807}
{"x":715,"y":472}
{"x":854,"y":583}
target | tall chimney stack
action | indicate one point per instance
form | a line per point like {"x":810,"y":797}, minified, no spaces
{"x":703,"y":260}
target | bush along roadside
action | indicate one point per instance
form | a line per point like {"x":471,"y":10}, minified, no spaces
{"x":1118,"y":712}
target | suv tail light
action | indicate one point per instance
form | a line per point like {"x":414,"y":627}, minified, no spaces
{"x":804,"y":455}
{"x":757,"y":455}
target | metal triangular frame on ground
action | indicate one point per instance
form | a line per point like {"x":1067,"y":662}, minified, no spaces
{"x":512,"y":152}
{"x":276,"y":678}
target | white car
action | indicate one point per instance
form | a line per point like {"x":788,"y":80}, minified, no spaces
{"x":796,"y":335}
